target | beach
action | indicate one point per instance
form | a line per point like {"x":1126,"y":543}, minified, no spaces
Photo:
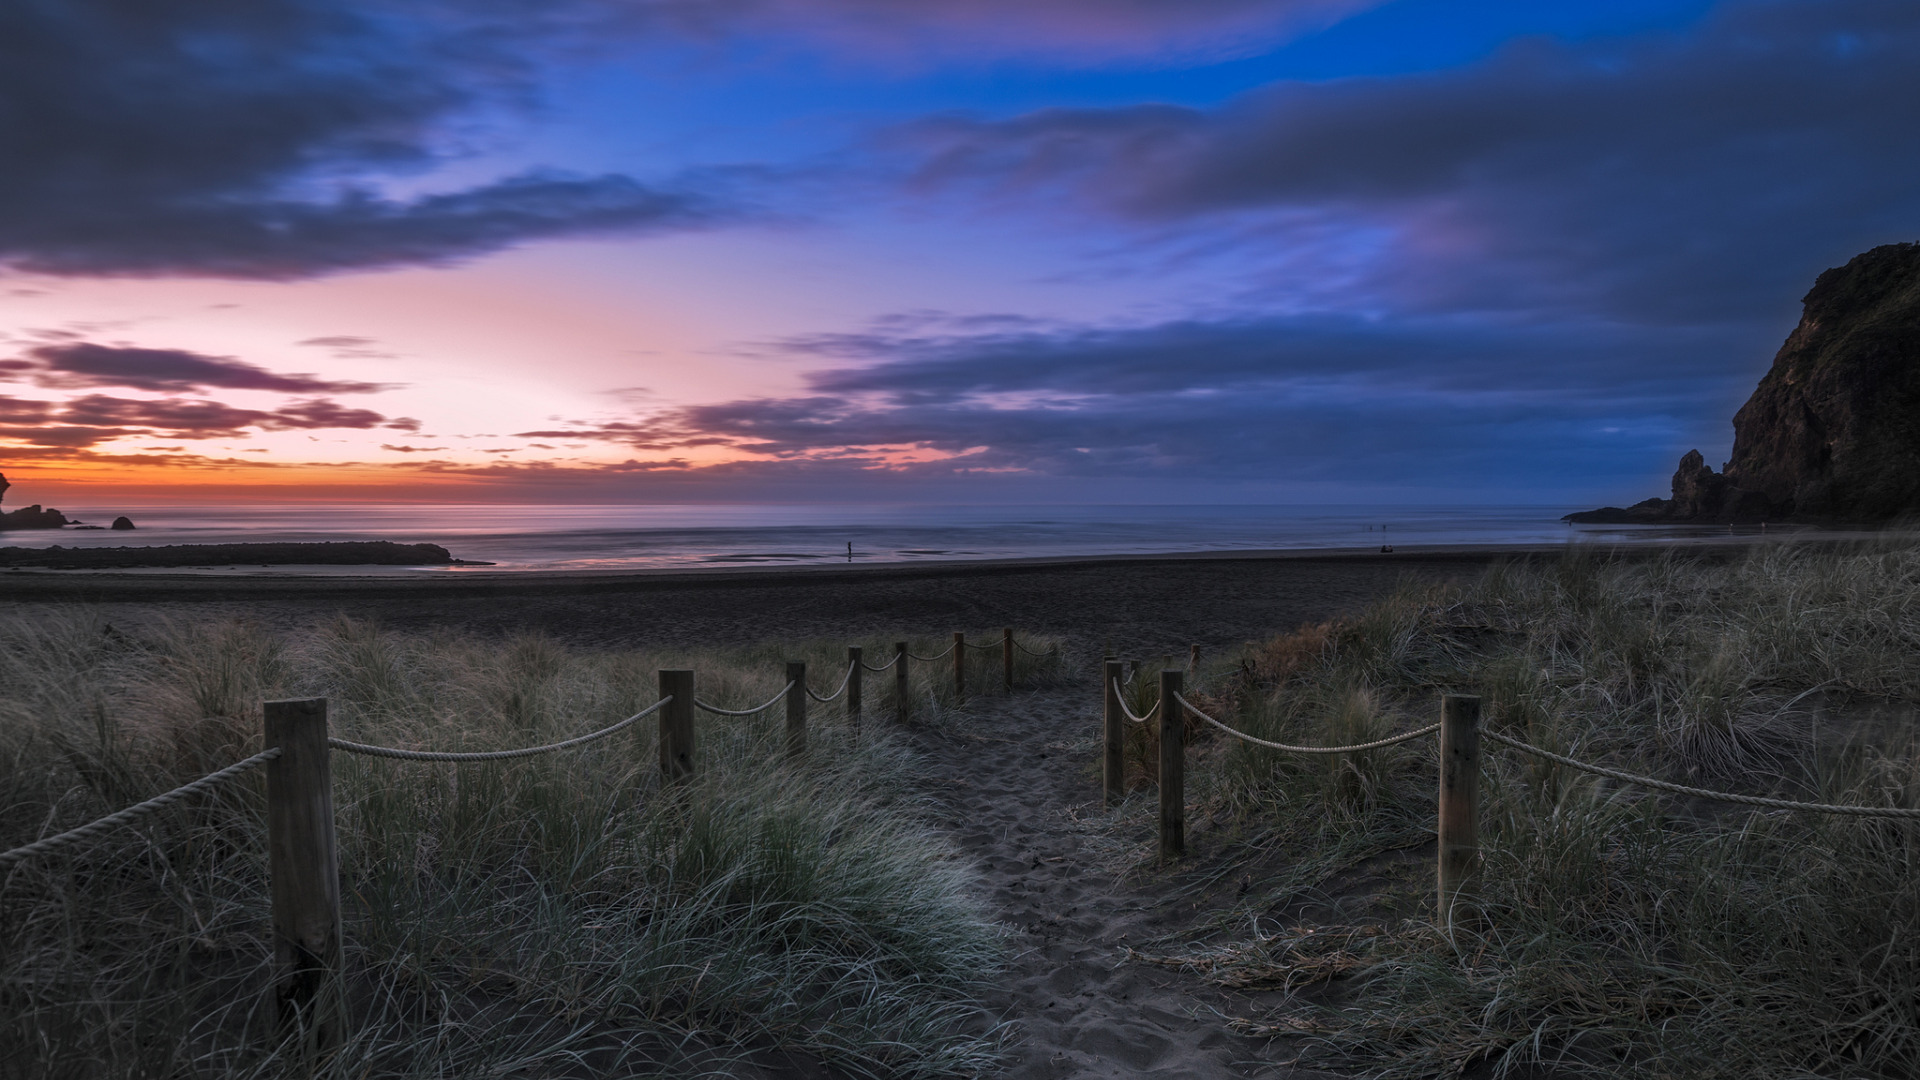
{"x":1140,"y":604}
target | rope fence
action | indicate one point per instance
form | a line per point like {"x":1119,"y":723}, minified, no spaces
{"x":1704,"y":793}
{"x":1458,"y":811}
{"x":1288,"y":747}
{"x":844,"y":683}
{"x":1120,"y":699}
{"x":941,"y":655}
{"x":136,"y":811}
{"x":755,"y":711}
{"x":303,"y":867}
{"x":494,"y":755}
{"x":303,"y":863}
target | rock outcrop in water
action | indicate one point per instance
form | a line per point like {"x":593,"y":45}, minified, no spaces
{"x":1832,"y":433}
{"x":30,"y":517}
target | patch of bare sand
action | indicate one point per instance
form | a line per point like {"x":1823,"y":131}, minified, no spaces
{"x":1014,"y":785}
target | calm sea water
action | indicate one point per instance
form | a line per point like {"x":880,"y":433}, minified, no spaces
{"x":611,"y":537}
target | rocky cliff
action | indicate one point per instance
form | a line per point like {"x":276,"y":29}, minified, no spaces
{"x":1832,"y":433}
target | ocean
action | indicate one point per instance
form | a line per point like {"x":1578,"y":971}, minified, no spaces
{"x":521,"y":538}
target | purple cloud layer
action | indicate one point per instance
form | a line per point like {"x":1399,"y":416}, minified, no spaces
{"x":248,"y":140}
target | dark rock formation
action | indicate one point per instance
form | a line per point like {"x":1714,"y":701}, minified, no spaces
{"x":350,"y":553}
{"x":31,"y":517}
{"x":122,"y":524}
{"x":1832,"y":433}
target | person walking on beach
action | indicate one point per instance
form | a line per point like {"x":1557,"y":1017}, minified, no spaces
{"x":849,"y":551}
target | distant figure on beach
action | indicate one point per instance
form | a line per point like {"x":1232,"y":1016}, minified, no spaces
{"x":849,"y":551}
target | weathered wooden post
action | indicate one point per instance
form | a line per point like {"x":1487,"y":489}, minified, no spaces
{"x":1113,"y":769}
{"x":1459,"y":819}
{"x":853,"y":688}
{"x":796,"y":708}
{"x":902,"y":697}
{"x":959,"y":666}
{"x":1193,"y":659}
{"x":303,"y":869}
{"x":1173,"y":767}
{"x":676,"y":725}
{"x":1006,"y":655}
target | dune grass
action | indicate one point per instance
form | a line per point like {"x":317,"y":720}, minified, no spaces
{"x":1624,"y":933}
{"x":550,"y":916}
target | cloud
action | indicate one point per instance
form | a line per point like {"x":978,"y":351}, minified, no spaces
{"x":1677,"y":177}
{"x":1257,"y":402}
{"x":97,"y":418}
{"x":1084,"y":30}
{"x":256,"y":140}
{"x":410,"y":449}
{"x":84,"y":364}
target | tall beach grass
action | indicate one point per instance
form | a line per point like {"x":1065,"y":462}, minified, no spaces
{"x":548,"y":916}
{"x":1624,"y":933}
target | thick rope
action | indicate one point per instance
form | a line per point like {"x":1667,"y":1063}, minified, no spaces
{"x":1377,"y":744}
{"x":1120,"y":699}
{"x":763,"y":707}
{"x":935,"y":656}
{"x":843,"y":688}
{"x":492,"y":755}
{"x":882,"y":667}
{"x":994,"y":644}
{"x":137,"y":810}
{"x":1721,"y":796}
{"x":1030,"y":652}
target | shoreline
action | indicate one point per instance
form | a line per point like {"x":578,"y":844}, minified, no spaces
{"x":33,"y":583}
{"x":1145,"y":605}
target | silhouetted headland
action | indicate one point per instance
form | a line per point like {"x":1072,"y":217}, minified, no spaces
{"x":1832,"y":433}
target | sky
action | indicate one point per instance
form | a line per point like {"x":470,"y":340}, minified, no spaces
{"x":1027,"y":251}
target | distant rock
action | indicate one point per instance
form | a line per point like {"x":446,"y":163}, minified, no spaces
{"x":347,"y":553}
{"x":122,"y":524}
{"x":31,"y":517}
{"x":1832,"y":433}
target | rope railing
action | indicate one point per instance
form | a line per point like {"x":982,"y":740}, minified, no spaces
{"x":137,"y":810}
{"x":996,"y":643}
{"x":1120,"y":699}
{"x":302,"y":852}
{"x":844,"y":682}
{"x":1853,"y":810}
{"x":936,"y":656}
{"x":492,"y":755}
{"x":760,"y":708}
{"x":1054,"y":651}
{"x":1375,"y":745}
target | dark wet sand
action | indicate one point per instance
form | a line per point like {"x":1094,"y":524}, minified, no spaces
{"x":1133,"y":603}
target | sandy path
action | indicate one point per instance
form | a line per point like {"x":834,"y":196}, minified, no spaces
{"x":1006,"y":779}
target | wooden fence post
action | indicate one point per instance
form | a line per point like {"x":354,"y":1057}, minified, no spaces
{"x":902,"y":697}
{"x":1173,"y":768}
{"x":1113,"y":771}
{"x":1006,"y":655}
{"x":1193,"y":659}
{"x":676,"y":726}
{"x":959,"y":666}
{"x":854,"y":672}
{"x":1459,"y":818}
{"x":303,"y":870}
{"x":797,"y":708}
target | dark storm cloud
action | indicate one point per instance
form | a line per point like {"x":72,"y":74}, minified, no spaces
{"x":1679,"y":177}
{"x":241,"y":138}
{"x":80,"y":364}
